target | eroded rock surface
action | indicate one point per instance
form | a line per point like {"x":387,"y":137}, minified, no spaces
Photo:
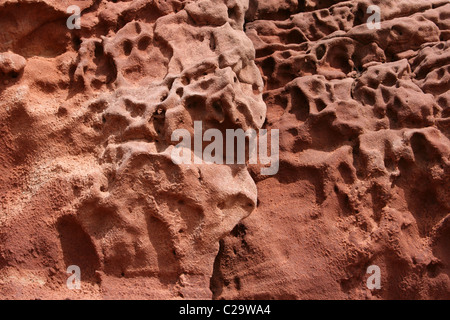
{"x":364,"y":155}
{"x":87,"y":133}
{"x":86,"y":177}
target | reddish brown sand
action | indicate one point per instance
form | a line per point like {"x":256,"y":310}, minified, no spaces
{"x":86,"y":178}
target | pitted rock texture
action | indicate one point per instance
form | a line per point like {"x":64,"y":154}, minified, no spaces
{"x":86,"y":178}
{"x":89,"y":179}
{"x":364,"y":156}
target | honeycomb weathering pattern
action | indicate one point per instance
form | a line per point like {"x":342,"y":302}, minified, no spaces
{"x":86,"y":178}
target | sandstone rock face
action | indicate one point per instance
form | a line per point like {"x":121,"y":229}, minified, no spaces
{"x":86,"y":123}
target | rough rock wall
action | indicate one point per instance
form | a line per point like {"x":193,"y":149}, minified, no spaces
{"x":86,"y":178}
{"x":87,"y":120}
{"x":364,"y":155}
